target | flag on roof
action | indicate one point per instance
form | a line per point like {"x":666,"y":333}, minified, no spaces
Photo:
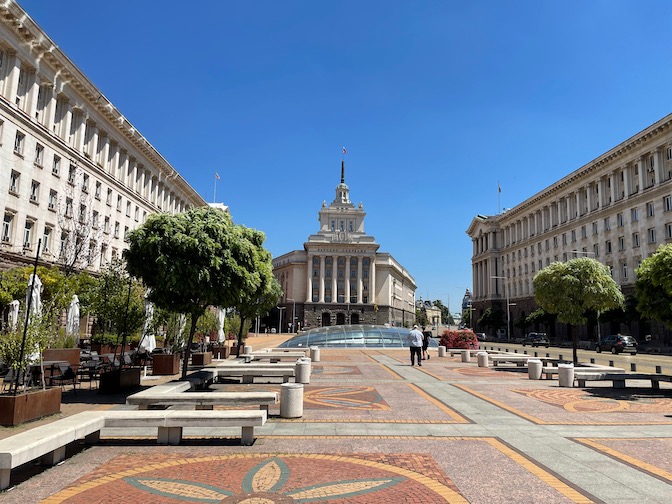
{"x":217,"y":175}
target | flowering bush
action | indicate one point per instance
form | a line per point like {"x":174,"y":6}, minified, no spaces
{"x":459,"y":339}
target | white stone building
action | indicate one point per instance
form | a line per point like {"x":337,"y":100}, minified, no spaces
{"x":340,"y":277}
{"x":617,"y":209}
{"x":74,"y":172}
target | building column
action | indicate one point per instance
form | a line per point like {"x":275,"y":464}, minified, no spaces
{"x":322,"y":279}
{"x":92,"y":148}
{"x":659,"y":167}
{"x":104,"y":151}
{"x":32,"y":92}
{"x":309,"y":274}
{"x":346,"y":284}
{"x":613,"y":176}
{"x":641,"y":167}
{"x":12,"y":80}
{"x":334,"y":279}
{"x":359,"y":280}
{"x":64,"y":132}
{"x":372,"y":281}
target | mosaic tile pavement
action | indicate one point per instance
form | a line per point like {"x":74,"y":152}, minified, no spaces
{"x":375,"y":429}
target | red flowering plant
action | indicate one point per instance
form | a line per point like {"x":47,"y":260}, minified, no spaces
{"x":464,"y":338}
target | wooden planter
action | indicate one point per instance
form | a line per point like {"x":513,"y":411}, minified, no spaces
{"x":221,"y":352}
{"x":29,"y":406}
{"x":71,"y":355}
{"x":119,"y":380}
{"x":201,"y":359}
{"x":165,"y":364}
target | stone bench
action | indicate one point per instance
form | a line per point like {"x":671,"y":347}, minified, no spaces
{"x":549,"y":371}
{"x":204,"y":400}
{"x":201,"y":379}
{"x":248,"y":373}
{"x":171,"y":422}
{"x":618,"y":379}
{"x":458,"y":351}
{"x":272,"y":356}
{"x":47,"y":442}
{"x":519,"y":360}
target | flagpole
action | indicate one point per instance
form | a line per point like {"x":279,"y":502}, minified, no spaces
{"x":214,"y":192}
{"x":499,"y":198}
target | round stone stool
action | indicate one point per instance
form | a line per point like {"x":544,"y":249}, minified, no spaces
{"x":466,"y":356}
{"x":291,"y":400}
{"x":534,"y":369}
{"x":565,"y":375}
{"x":247,"y":349}
{"x":303,"y":366}
{"x":483,"y":360}
{"x":442,"y":351}
{"x":315,"y":354}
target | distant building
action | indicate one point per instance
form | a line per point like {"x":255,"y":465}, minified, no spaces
{"x":340,"y":277}
{"x":616,"y":209}
{"x":433,"y":312}
{"x":74,"y":172}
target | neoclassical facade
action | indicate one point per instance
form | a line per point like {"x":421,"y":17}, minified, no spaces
{"x":74,"y":172}
{"x":616,"y":209}
{"x":340,"y":277}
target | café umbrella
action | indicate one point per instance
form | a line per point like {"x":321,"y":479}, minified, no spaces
{"x":72,"y":322}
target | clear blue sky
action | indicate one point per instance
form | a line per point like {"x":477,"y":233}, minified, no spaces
{"x":435,"y":102}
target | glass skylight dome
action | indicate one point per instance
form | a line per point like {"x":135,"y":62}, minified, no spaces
{"x":352,"y":336}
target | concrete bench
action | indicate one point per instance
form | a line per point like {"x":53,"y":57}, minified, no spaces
{"x":549,"y":371}
{"x":618,"y":379}
{"x":248,"y":374}
{"x":205,"y":400}
{"x":519,"y":360}
{"x":47,"y":442}
{"x":272,"y":356}
{"x":171,"y":422}
{"x":458,"y":351}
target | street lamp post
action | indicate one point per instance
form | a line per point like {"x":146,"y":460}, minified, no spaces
{"x":293,"y":314}
{"x":508,"y":311}
{"x":280,"y":308}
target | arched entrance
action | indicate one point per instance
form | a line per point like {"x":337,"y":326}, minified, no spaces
{"x":340,"y":319}
{"x":326,"y":319}
{"x":354,"y":318}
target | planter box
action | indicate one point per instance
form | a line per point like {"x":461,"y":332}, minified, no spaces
{"x":201,"y":359}
{"x":166,"y":364}
{"x":108,"y":349}
{"x":221,"y":352}
{"x":62,"y":354}
{"x":24,"y":407}
{"x":119,"y":380}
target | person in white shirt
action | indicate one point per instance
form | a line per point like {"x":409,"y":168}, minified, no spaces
{"x":414,"y":339}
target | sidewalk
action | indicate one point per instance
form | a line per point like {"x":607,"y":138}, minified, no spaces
{"x":375,"y":429}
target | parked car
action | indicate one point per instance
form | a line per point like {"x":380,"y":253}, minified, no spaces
{"x":480,"y":336}
{"x":536,"y":340}
{"x":617,"y":343}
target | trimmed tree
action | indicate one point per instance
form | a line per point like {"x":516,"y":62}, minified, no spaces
{"x":654,"y":286}
{"x":573,"y":288}
{"x":191,"y":261}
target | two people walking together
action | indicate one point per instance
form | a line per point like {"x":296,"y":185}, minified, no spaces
{"x":418,"y":345}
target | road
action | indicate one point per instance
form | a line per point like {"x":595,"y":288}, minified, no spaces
{"x":645,"y":363}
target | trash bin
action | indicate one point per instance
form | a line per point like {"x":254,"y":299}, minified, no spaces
{"x":534,"y":369}
{"x":302,"y":374}
{"x":483,"y":360}
{"x":291,"y":400}
{"x":565,"y":375}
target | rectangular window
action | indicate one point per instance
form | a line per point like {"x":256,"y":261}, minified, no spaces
{"x":625,"y":271}
{"x":607,"y":246}
{"x":68,"y":207}
{"x":106,"y":229}
{"x":19,"y":142}
{"x":7,"y":227}
{"x":651,"y":234}
{"x":82,"y":213}
{"x":14,"y":182}
{"x":137,"y":213}
{"x":555,"y":242}
{"x":116,"y":230}
{"x":128,"y":209}
{"x":668,"y":231}
{"x":94,"y":219}
{"x":27,"y":235}
{"x":584,"y":232}
{"x":34,"y":191}
{"x":573,"y":235}
{"x":98,"y":190}
{"x":621,"y":243}
{"x":56,"y":167}
{"x":607,"y":223}
{"x":108,"y":198}
{"x":635,"y":239}
{"x":634,"y":214}
{"x":667,"y":203}
{"x":46,"y":239}
{"x":85,"y":183}
{"x":53,"y":198}
{"x":619,"y":220}
{"x":119,"y":202}
{"x":39,"y":154}
{"x":71,"y":174}
{"x":649,"y":209}
{"x":595,"y":227}
{"x":596,"y":250}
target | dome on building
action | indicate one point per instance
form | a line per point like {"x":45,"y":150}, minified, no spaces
{"x":352,"y":336}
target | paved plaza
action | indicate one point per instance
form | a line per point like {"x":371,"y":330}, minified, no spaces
{"x":375,"y":429}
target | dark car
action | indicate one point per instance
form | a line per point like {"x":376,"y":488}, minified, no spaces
{"x":617,"y":343}
{"x":481,"y":336}
{"x":536,"y":340}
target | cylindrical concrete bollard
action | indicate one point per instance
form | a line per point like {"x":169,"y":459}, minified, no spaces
{"x":482,"y":358}
{"x":466,"y":356}
{"x":442,"y":351}
{"x":247,"y":349}
{"x":565,"y":375}
{"x":534,"y":369}
{"x":303,"y":370}
{"x":315,"y":354}
{"x":291,"y":400}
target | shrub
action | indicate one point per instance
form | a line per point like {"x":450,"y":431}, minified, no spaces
{"x":459,"y":339}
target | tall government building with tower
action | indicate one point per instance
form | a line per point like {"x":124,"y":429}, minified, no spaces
{"x":340,"y":276}
{"x":617,"y":209}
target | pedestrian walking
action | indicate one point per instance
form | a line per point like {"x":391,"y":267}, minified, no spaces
{"x":414,"y":339}
{"x":425,"y":344}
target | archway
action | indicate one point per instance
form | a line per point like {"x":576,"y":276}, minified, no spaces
{"x":354,"y":318}
{"x":326,"y":319}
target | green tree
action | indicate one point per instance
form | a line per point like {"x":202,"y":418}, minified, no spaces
{"x":193,"y":260}
{"x":571,"y":289}
{"x":653,"y":288}
{"x":491,"y":318}
{"x":421,"y":317}
{"x":446,"y":317}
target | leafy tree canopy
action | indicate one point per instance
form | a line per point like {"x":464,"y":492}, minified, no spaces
{"x":570,"y":289}
{"x":654,"y":286}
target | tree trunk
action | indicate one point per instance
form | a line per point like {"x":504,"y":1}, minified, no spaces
{"x":187,"y":350}
{"x":240,"y":335}
{"x":575,"y":344}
